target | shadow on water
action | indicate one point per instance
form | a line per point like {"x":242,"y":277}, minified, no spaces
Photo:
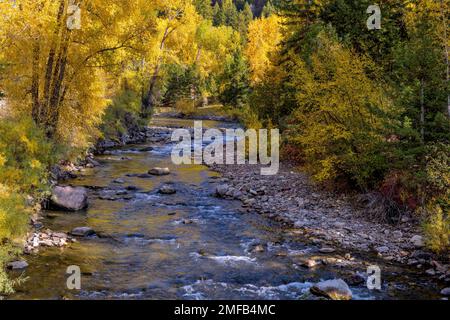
{"x":190,"y":245}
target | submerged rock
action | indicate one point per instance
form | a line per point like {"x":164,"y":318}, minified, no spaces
{"x":83,"y":232}
{"x":326,"y":250}
{"x":69,"y":198}
{"x":17,"y":265}
{"x":159,"y":171}
{"x":335,"y":289}
{"x":310,"y":263}
{"x":355,"y":279}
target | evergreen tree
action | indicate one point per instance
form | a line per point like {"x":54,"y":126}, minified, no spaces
{"x":245,"y":17}
{"x":235,"y":82}
{"x":231,"y":14}
{"x":218,"y":15}
{"x":268,"y":9}
{"x":204,"y":8}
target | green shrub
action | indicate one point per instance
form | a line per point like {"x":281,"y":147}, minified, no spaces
{"x":122,"y":114}
{"x":343,"y":116}
{"x":25,"y":157}
{"x":6,"y":284}
{"x":186,"y":106}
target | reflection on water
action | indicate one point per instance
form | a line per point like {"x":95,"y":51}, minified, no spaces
{"x":184,"y":246}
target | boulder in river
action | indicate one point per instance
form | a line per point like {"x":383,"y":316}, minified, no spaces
{"x":159,"y":171}
{"x":17,"y":265}
{"x":166,"y":189}
{"x":69,"y":198}
{"x":82,"y":232}
{"x":146,"y":149}
{"x":221,"y":190}
{"x":335,"y":289}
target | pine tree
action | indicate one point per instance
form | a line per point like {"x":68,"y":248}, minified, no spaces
{"x":235,"y":83}
{"x":204,"y":8}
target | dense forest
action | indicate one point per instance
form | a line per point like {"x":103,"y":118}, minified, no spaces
{"x":359,"y":110}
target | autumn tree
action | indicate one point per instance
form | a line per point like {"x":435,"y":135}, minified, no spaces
{"x":264,"y":35}
{"x":177,"y":20}
{"x":62,"y":72}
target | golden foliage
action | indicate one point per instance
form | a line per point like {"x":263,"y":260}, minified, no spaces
{"x":264,"y":35}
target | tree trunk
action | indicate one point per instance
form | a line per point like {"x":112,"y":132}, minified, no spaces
{"x":52,"y":53}
{"x":422,"y":110}
{"x":36,"y":105}
{"x":57,"y":85}
{"x":148,"y":101}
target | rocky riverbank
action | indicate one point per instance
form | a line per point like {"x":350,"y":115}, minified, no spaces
{"x":64,"y":171}
{"x":327,"y":219}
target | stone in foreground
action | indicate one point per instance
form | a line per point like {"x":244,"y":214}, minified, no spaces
{"x":69,"y":198}
{"x":82,"y":232}
{"x":335,"y":289}
{"x":17,"y":265}
{"x":159,"y":171}
{"x":446,"y":292}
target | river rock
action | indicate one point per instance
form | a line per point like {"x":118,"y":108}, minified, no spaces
{"x":326,"y":250}
{"x":69,"y":198}
{"x":310,"y":263}
{"x":417,"y":241}
{"x":83,"y":232}
{"x":258,"y":248}
{"x":397,"y":234}
{"x":17,"y":265}
{"x":146,"y":149}
{"x":159,"y":171}
{"x":166,"y":189}
{"x":446,"y":292}
{"x":335,"y":289}
{"x":60,"y":235}
{"x":221,"y":190}
{"x":92,"y":162}
{"x":382,"y":249}
{"x":355,"y":279}
{"x":119,"y":181}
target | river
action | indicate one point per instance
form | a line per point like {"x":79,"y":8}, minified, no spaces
{"x":190,"y":245}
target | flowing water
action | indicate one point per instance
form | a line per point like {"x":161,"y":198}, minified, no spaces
{"x":190,"y":245}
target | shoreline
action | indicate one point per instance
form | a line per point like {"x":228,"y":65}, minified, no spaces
{"x":328,"y":219}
